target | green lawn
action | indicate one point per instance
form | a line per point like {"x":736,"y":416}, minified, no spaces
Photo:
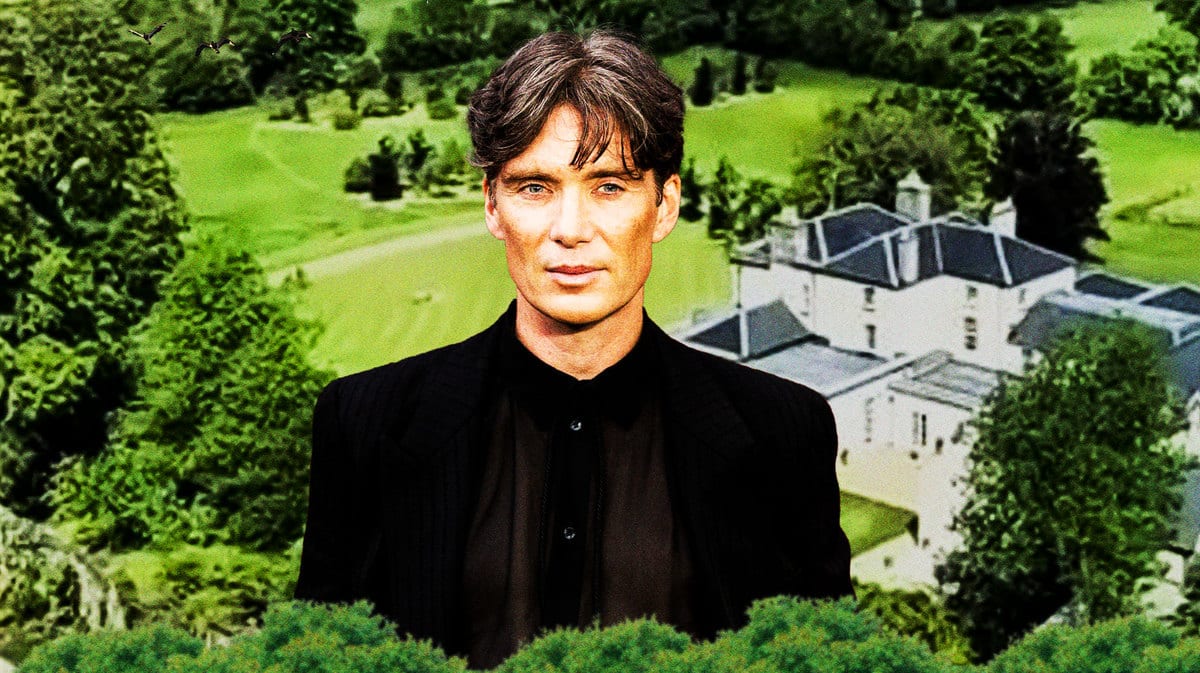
{"x":868,"y":523}
{"x":1158,"y":167}
{"x":1101,"y":26}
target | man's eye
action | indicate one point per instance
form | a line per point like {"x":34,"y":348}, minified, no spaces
{"x":611,"y":188}
{"x":533,"y":189}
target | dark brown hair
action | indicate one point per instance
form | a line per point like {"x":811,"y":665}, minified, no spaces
{"x":611,"y":82}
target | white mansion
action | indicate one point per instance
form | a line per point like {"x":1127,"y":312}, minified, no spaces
{"x":905,"y":322}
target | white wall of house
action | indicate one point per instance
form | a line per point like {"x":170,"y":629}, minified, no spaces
{"x":868,"y":462}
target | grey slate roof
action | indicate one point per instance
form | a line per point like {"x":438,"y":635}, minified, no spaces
{"x":860,"y":244}
{"x":770,"y":326}
{"x":939,"y":377}
{"x":1178,"y":333}
{"x":1182,"y":299}
{"x":1104,"y":285}
{"x":817,"y":365}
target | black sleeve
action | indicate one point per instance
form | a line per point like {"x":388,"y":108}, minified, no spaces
{"x":325,"y":566}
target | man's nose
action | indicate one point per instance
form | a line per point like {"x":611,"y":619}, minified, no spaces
{"x":573,"y":223}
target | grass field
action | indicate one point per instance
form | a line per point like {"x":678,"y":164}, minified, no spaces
{"x":868,"y":523}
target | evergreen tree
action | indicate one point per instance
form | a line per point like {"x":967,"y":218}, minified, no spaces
{"x":1071,"y":487}
{"x":738,"y":86}
{"x":1042,"y":162}
{"x":691,"y":192}
{"x":702,"y":84}
{"x":1023,"y":64}
{"x":764,"y":76}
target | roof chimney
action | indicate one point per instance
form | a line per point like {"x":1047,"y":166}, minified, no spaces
{"x":908,"y":255}
{"x":912,"y":197}
{"x":1003,"y":218}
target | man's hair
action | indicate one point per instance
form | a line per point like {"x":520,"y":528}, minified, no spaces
{"x":611,"y":82}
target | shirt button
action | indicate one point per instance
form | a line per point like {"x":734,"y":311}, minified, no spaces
{"x":568,"y":533}
{"x":576,"y":425}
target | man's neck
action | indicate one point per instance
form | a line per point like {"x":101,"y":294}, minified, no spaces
{"x":580,"y":351}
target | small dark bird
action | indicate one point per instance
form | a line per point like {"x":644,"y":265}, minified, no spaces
{"x":291,"y":36}
{"x":147,"y":36}
{"x":215,"y":46}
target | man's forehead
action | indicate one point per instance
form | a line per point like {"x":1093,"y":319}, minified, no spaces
{"x":557,"y":147}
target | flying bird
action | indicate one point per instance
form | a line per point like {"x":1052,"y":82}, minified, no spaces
{"x":147,"y":36}
{"x":215,"y":46}
{"x":291,"y":36}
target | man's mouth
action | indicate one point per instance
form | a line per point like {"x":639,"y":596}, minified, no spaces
{"x":572,"y":270}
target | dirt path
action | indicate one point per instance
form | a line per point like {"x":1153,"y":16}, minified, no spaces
{"x":350,"y":259}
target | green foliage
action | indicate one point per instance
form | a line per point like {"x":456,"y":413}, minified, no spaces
{"x":443,"y":108}
{"x":295,"y":637}
{"x":210,"y":592}
{"x":1023,"y":64}
{"x":739,"y":210}
{"x":346,"y":120}
{"x":89,"y":225}
{"x":929,"y":54}
{"x":1186,"y":13}
{"x":917,"y":614}
{"x":376,"y":103}
{"x":214,"y":446}
{"x":427,"y":35}
{"x":205,"y":83}
{"x":1043,"y":162}
{"x":148,"y":650}
{"x":1072,"y":483}
{"x":629,"y":647}
{"x":1187,"y":616}
{"x":944,"y":135}
{"x":39,"y":587}
{"x":738,"y":86}
{"x":356,"y":74}
{"x":1154,"y":82}
{"x":765,"y":74}
{"x":702,"y":90}
{"x":1135,"y":645}
{"x":842,"y":34}
{"x":691,"y":192}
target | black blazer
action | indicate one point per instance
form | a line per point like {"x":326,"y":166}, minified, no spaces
{"x":395,"y":467}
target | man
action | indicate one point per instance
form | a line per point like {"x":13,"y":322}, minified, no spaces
{"x":572,"y":463}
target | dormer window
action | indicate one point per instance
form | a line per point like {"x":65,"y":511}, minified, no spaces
{"x":869,"y":298}
{"x":972,"y":292}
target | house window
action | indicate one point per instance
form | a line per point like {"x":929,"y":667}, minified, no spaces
{"x":919,"y":428}
{"x":806,"y":306}
{"x":970,"y":334}
{"x":871,"y":337}
{"x":868,"y":418}
{"x":1021,"y":296}
{"x":868,"y":299}
{"x":972,"y":292}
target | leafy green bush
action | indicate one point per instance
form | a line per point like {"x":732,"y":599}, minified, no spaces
{"x":375,"y":103}
{"x":295,"y":638}
{"x":628,"y":647}
{"x":1153,"y":82}
{"x":46,"y":588}
{"x":212,"y":593}
{"x":1135,"y":645}
{"x":214,"y":448}
{"x":358,"y":176}
{"x":442,"y":108}
{"x":916,"y":614}
{"x":147,"y":650}
{"x":346,"y":120}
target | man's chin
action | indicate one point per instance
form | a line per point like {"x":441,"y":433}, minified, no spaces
{"x":578,"y":312}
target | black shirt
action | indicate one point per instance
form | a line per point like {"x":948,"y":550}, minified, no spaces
{"x":573,"y":480}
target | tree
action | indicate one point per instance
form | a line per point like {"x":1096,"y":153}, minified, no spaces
{"x":1072,"y":482}
{"x":1148,"y":84}
{"x":1042,"y":162}
{"x":89,"y":226}
{"x":943,"y":135}
{"x":1187,"y":615}
{"x":309,"y":66}
{"x":1023,"y":65}
{"x":739,"y":210}
{"x":765,"y":74}
{"x":702,"y":92}
{"x":434,"y":34}
{"x":691,"y":190}
{"x":738,"y":86}
{"x":356,"y":73}
{"x":214,"y":448}
{"x":1186,"y":13}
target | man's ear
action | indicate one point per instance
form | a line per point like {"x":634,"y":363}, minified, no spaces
{"x":490,"y":216}
{"x":668,"y":208}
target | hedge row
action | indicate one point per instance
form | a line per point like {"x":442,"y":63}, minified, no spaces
{"x":783,"y":634}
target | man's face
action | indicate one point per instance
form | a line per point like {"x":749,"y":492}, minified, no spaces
{"x":577,"y":240}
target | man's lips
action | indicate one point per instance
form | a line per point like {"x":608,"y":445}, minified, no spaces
{"x":572,"y":270}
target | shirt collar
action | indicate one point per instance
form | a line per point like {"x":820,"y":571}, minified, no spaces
{"x":549,"y":395}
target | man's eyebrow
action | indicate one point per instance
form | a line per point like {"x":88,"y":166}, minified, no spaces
{"x":521,"y":175}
